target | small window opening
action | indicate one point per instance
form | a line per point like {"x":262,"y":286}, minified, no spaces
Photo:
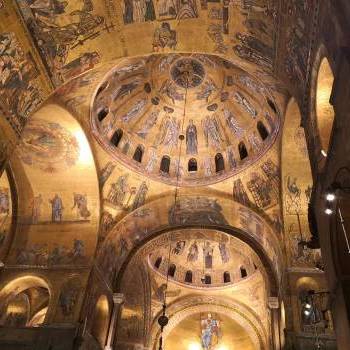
{"x":138,"y":154}
{"x":207,"y":279}
{"x":272,"y":105}
{"x":262,"y":130}
{"x":102,"y":113}
{"x":242,"y":151}
{"x":172,"y":270}
{"x":165,"y":164}
{"x":117,"y":136}
{"x":188,"y":277}
{"x":243,"y":272}
{"x":219,"y":163}
{"x":192,"y":165}
{"x":158,"y":262}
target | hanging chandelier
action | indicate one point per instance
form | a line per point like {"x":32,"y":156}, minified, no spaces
{"x":163,"y":319}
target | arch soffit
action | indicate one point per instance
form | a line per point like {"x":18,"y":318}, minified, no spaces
{"x":15,"y":285}
{"x":321,"y":54}
{"x":160,"y":216}
{"x":191,"y":305}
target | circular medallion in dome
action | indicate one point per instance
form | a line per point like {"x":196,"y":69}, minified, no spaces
{"x":186,"y":119}
{"x":187,"y":72}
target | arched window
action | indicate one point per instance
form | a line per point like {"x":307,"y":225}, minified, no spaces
{"x":188,"y":277}
{"x":272,"y":105}
{"x":117,"y":136}
{"x":172,"y":270}
{"x":243,"y":272}
{"x":227,"y":277}
{"x":158,"y":262}
{"x":165,"y":164}
{"x":243,"y":153}
{"x":192,"y":165}
{"x":138,"y":154}
{"x":102,"y":113}
{"x":207,"y":279}
{"x":262,"y":130}
{"x":219,"y":163}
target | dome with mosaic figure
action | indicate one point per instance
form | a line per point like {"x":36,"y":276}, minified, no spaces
{"x":203,"y":258}
{"x":193,"y":119}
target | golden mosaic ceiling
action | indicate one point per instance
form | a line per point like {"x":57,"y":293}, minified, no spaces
{"x":192,"y":118}
{"x":203,"y":258}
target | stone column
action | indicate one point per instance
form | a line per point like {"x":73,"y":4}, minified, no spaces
{"x":118,"y":301}
{"x":275,"y":322}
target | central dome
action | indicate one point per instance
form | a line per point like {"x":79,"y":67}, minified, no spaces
{"x":187,"y":119}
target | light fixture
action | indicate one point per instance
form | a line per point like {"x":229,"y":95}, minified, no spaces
{"x":330,"y":196}
{"x":307,"y":312}
{"x":324,"y":153}
{"x":307,"y":306}
{"x":222,"y":347}
{"x":328,"y":211}
{"x":194,"y":346}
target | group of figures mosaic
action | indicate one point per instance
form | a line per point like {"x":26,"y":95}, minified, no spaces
{"x":263,"y":187}
{"x":122,"y":195}
{"x":138,"y":11}
{"x":19,"y":92}
{"x":55,"y":41}
{"x":80,"y":205}
{"x":41,"y":255}
{"x":208,"y":249}
{"x":296,"y":53}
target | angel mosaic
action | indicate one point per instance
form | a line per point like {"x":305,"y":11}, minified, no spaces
{"x":169,"y":88}
{"x":241,"y":100}
{"x":212,"y":133}
{"x":134,"y":111}
{"x":233,"y":124}
{"x":152,"y":161}
{"x":169,"y":132}
{"x":207,"y":89}
{"x":148,"y":124}
{"x":193,"y":252}
{"x":124,"y":90}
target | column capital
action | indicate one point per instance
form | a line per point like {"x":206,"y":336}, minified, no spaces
{"x":118,"y":298}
